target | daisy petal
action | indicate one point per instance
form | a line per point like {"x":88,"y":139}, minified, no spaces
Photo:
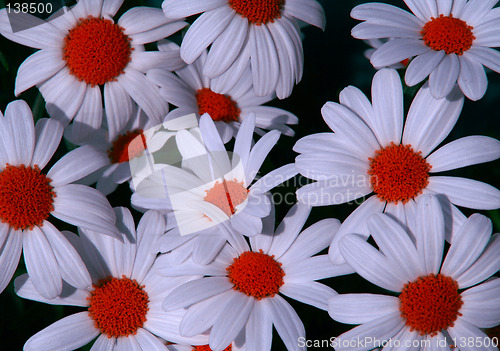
{"x":19,"y":119}
{"x":397,"y":50}
{"x":70,"y":333}
{"x":308,"y":11}
{"x":370,"y":263}
{"x":361,"y":308}
{"x":89,"y":118}
{"x":386,"y":13}
{"x":311,"y":293}
{"x":48,"y":134}
{"x":423,"y":65}
{"x":118,"y":108}
{"x":41,"y":263}
{"x":226,"y":329}
{"x":472,"y":79}
{"x":463,"y":330}
{"x":443,"y":78}
{"x":76,"y":164}
{"x":468,"y":244}
{"x":482,"y":304}
{"x":259,"y":153}
{"x":475,"y":10}
{"x":333,"y":191}
{"x":259,"y":328}
{"x":10,"y":253}
{"x":486,"y":56}
{"x":178,"y":9}
{"x":379,"y":329}
{"x":30,"y":74}
{"x":485,"y":266}
{"x":430,"y":120}
{"x":264,"y":60}
{"x":463,"y":152}
{"x":148,"y":341}
{"x":466,"y":192}
{"x":204,"y":31}
{"x":314,"y":268}
{"x":423,"y":9}
{"x":286,"y":321}
{"x":85,"y":207}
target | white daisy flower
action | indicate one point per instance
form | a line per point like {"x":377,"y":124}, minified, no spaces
{"x":76,"y":60}
{"x":251,"y":280}
{"x":29,"y":196}
{"x":372,"y":152}
{"x":440,"y":301}
{"x":264,"y":34}
{"x":228,"y":104}
{"x":124,"y":302}
{"x":212,"y":192}
{"x":449,"y":41}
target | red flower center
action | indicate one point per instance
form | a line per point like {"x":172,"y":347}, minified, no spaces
{"x":127,"y":146}
{"x":26,"y":196}
{"x":207,"y":348}
{"x":227,"y":195}
{"x":430,"y":304}
{"x":96,"y":50}
{"x":256,"y":274}
{"x":118,"y":306}
{"x":398,"y":173}
{"x":449,"y":34}
{"x":258,"y":11}
{"x":219,"y":106}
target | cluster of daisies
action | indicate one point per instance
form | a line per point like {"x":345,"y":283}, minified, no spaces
{"x":171,"y":101}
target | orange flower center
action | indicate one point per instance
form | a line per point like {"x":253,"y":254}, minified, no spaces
{"x":220,"y":107}
{"x":449,"y":34}
{"x":258,"y":11}
{"x":96,"y":50}
{"x":256,"y":274}
{"x":26,"y":196}
{"x":398,"y":173}
{"x":227,"y":195}
{"x":127,"y":146}
{"x":207,"y":348}
{"x":118,"y":306}
{"x":430,"y":304}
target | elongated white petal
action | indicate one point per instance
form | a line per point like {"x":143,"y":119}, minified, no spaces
{"x":70,"y":332}
{"x":118,"y":107}
{"x":472,"y":78}
{"x":311,"y":293}
{"x":259,"y":328}
{"x":19,"y":121}
{"x":314,"y":268}
{"x":10,"y":253}
{"x":397,"y":50}
{"x":443,"y":78}
{"x":423,"y":65}
{"x":264,"y":60}
{"x":178,"y":8}
{"x":286,"y":321}
{"x":308,"y":11}
{"x":48,"y":134}
{"x":361,"y":308}
{"x":482,"y":304}
{"x":463,"y":329}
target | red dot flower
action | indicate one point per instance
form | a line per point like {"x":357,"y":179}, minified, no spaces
{"x":436,"y":297}
{"x":30,"y":196}
{"x":449,"y":42}
{"x":252,"y":279}
{"x":89,"y":64}
{"x":376,"y":151}
{"x":123,"y":303}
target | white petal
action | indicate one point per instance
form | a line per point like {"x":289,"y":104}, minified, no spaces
{"x":354,"y":98}
{"x":314,"y":268}
{"x":89,"y":118}
{"x":10,"y":254}
{"x":373,"y":30}
{"x":430,"y":233}
{"x":488,"y":57}
{"x":422,"y":65}
{"x":178,"y":9}
{"x":423,"y":9}
{"x":19,"y":119}
{"x":472,"y":78}
{"x":361,"y":308}
{"x":72,"y":268}
{"x":387,"y":101}
{"x":37,"y":68}
{"x":443,"y":78}
{"x":311,"y":293}
{"x":264,"y":60}
{"x":83,"y":206}
{"x":463,"y":330}
{"x":463,"y":152}
{"x":371,"y":264}
{"x":286,"y":321}
{"x":468,"y":244}
{"x":118,"y":106}
{"x":475,"y":10}
{"x":226,"y":47}
{"x":48,"y":134}
{"x":308,"y":11}
{"x":485,"y":266}
{"x":41,"y":263}
{"x":259,"y":153}
{"x":397,"y":50}
{"x":334,"y":191}
{"x":379,"y":329}
{"x":227,"y":327}
{"x":430,"y":120}
{"x":204,"y":31}
{"x":148,"y":341}
{"x":259,"y":328}
{"x":70,"y":333}
{"x":466,"y":192}
{"x":379,"y":12}
{"x":482,"y":304}
{"x":355,"y":223}
{"x":274,"y":178}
